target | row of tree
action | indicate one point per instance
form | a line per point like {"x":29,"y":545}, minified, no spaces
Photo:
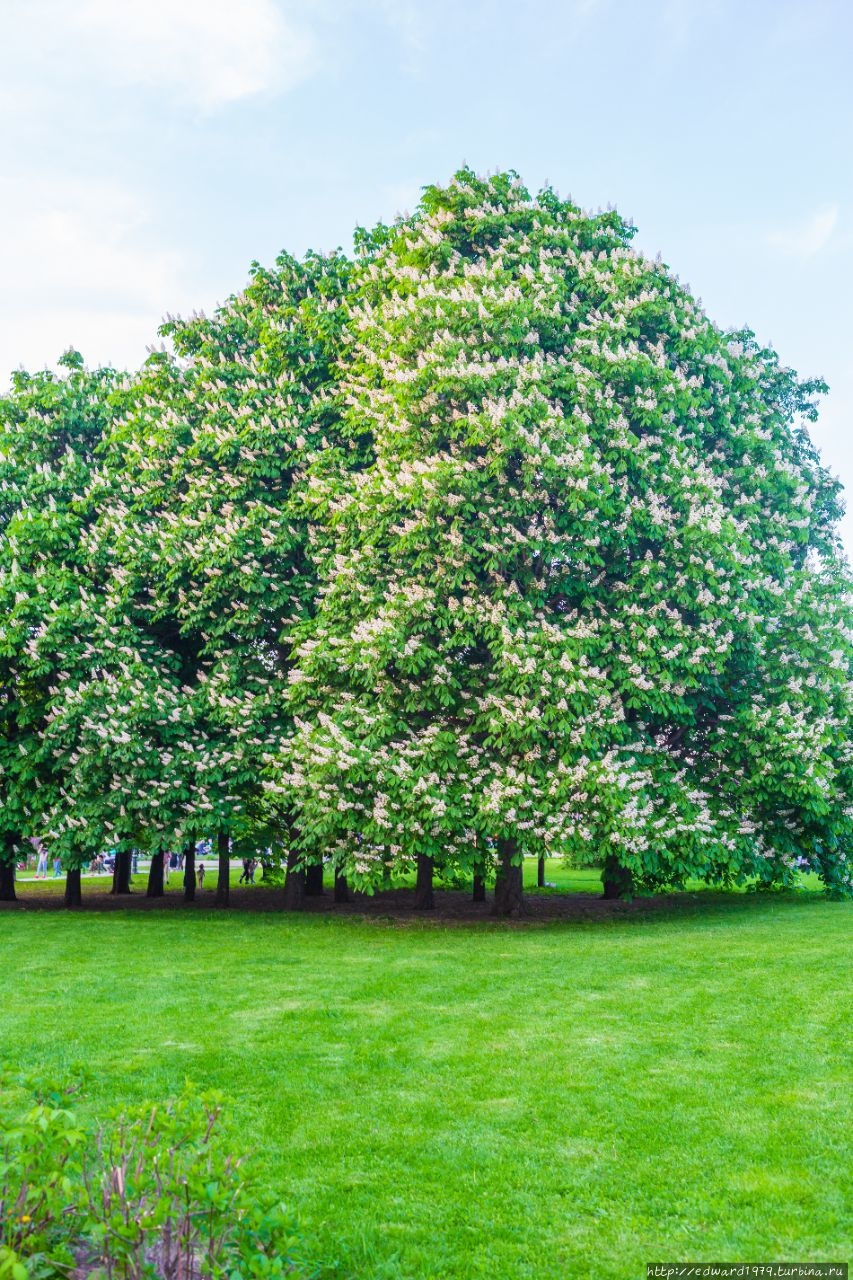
{"x":484,"y":542}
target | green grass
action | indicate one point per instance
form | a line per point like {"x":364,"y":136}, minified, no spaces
{"x":566,"y":879}
{"x":564,"y":1101}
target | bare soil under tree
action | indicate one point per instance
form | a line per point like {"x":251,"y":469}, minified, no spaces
{"x":450,"y":905}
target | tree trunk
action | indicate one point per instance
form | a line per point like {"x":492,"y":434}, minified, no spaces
{"x":341,"y":888}
{"x":223,"y":882}
{"x":156,"y":888}
{"x":189,"y":873}
{"x":294,"y":884}
{"x":479,"y":894}
{"x":509,"y":897}
{"x":73,"y":888}
{"x":7,"y":882}
{"x":424,"y":897}
{"x":121,"y":873}
{"x":314,"y":880}
{"x":617,"y":881}
{"x":540,"y":873}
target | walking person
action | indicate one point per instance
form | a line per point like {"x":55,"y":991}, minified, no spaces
{"x":57,"y":868}
{"x":41,"y":869}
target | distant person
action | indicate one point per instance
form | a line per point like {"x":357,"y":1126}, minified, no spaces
{"x":244,"y":878}
{"x":57,"y":868}
{"x":199,"y":875}
{"x":41,"y":869}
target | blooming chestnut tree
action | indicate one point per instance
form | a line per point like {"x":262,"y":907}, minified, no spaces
{"x":66,"y":738}
{"x":198,"y":513}
{"x":587,"y":598}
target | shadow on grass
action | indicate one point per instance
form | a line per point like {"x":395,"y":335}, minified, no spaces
{"x":395,"y":907}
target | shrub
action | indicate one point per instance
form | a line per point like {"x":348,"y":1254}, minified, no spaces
{"x":40,"y":1179}
{"x":150,"y":1192}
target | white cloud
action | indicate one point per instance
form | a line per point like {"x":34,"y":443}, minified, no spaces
{"x":78,"y":269}
{"x":211,"y":51}
{"x":807,"y":239}
{"x":60,"y":236}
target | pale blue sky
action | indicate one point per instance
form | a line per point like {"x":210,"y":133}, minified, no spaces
{"x":152,"y":148}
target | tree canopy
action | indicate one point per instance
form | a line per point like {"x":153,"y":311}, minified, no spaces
{"x":588,"y":599}
{"x":487,"y":543}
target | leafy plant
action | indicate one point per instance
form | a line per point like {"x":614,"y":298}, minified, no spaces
{"x":40,"y":1172}
{"x":149,"y":1192}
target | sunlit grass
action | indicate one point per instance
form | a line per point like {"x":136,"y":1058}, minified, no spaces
{"x":567,"y":1101}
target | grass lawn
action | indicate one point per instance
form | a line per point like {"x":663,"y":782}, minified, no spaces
{"x":566,"y":879}
{"x":544,"y":1102}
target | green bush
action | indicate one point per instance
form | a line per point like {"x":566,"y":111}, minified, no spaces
{"x":40,"y":1181}
{"x":150,"y":1192}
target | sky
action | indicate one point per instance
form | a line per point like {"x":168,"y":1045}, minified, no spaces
{"x":151,"y":150}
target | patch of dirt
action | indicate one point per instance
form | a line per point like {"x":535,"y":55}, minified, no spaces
{"x":393,"y":906}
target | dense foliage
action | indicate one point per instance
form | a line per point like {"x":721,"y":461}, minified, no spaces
{"x":589,"y":595}
{"x":152,"y":1192}
{"x":198,"y":511}
{"x":488,"y":543}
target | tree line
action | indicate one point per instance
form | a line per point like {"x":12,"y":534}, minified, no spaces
{"x":483,"y":541}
